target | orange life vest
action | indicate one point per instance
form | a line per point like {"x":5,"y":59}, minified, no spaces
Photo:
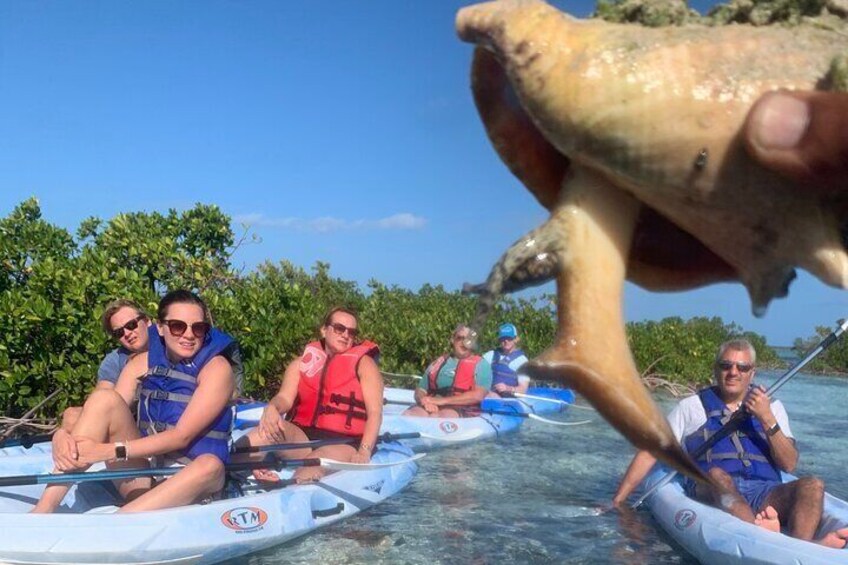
{"x":463,"y":380}
{"x":329,"y":395}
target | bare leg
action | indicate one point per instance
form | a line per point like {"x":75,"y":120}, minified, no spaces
{"x":337,"y":452}
{"x":201,"y":477}
{"x":730,"y":500}
{"x":105,"y":417}
{"x":799,"y":504}
{"x":416,"y":411}
{"x":292,"y":433}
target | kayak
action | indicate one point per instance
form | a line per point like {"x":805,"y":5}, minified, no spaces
{"x":86,"y":530}
{"x":714,"y":536}
{"x":445,"y":432}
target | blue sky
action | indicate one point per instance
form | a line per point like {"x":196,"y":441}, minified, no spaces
{"x":341,"y":131}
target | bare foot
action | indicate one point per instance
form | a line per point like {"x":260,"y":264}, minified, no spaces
{"x":768,"y":520}
{"x":266,"y":477}
{"x":836,"y":539}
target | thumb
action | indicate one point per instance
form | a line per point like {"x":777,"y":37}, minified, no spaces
{"x":802,"y":135}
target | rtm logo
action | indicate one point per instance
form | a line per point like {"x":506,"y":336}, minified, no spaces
{"x":244,"y":519}
{"x":448,"y":427}
{"x":684,"y":518}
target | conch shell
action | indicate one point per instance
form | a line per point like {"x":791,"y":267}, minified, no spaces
{"x":630,"y":136}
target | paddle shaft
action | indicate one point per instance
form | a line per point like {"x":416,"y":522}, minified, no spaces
{"x":740,"y":415}
{"x":321,"y":442}
{"x":26,"y":441}
{"x":116,"y":474}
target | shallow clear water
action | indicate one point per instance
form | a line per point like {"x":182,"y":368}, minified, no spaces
{"x":537,"y":496}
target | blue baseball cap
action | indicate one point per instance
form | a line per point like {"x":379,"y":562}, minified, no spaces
{"x":507,"y":331}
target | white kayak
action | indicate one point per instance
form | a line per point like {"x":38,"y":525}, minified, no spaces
{"x":86,"y":529}
{"x":714,"y":536}
{"x":495,"y":420}
{"x":445,"y":432}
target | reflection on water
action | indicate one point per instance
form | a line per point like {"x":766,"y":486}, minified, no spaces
{"x":540,"y":496}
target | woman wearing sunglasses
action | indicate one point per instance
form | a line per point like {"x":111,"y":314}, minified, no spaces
{"x":186,"y":387}
{"x":334,"y":390}
{"x":454,"y":385}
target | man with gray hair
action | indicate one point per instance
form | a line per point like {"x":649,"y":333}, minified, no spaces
{"x":747,"y":463}
{"x":456,"y":383}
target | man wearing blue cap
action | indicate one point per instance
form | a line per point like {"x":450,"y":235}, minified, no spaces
{"x":506,"y":360}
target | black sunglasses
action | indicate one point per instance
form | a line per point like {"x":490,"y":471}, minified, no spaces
{"x":118,"y":333}
{"x":178,"y":328}
{"x":741,"y":367}
{"x":340,"y":329}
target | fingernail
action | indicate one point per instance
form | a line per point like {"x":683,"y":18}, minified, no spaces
{"x":780,"y":121}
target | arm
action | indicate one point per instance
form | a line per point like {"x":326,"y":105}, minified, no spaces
{"x":372,"y":392}
{"x":214,"y":389}
{"x":271,"y":424}
{"x":468,"y":398}
{"x":128,"y":381}
{"x":782,"y":447}
{"x":635,"y":474}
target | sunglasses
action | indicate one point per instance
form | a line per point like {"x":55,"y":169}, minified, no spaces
{"x":461,"y":337}
{"x":741,"y":367}
{"x":118,"y":333}
{"x":341,"y":329}
{"x":178,"y":328}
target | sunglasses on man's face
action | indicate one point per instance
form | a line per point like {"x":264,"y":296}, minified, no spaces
{"x":341,"y":329}
{"x":741,"y":367}
{"x":118,"y":333}
{"x":178,"y":328}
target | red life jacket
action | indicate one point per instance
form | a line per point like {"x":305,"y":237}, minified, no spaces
{"x":329,"y":395}
{"x":463,"y":380}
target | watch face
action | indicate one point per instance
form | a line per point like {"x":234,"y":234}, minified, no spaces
{"x":121,"y":452}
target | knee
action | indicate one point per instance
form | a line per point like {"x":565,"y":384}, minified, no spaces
{"x":210,"y":470}
{"x":810,"y":485}
{"x":103,"y":398}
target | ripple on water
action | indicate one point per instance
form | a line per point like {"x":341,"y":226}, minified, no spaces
{"x":536,"y":497}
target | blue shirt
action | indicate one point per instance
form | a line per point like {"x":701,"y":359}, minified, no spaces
{"x":112,"y":365}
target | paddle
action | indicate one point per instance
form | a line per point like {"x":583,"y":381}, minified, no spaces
{"x":546,"y":399}
{"x":484,"y":410}
{"x":465,"y":436}
{"x":113,"y":474}
{"x":26,"y":441}
{"x":740,"y":415}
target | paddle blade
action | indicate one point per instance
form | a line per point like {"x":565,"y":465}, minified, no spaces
{"x":346,"y":466}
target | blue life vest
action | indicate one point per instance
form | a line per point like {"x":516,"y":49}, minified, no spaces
{"x":743,"y":453}
{"x":501,"y":371}
{"x":166,"y":390}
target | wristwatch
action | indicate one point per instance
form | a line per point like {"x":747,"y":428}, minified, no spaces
{"x":120,"y":451}
{"x":773,"y":430}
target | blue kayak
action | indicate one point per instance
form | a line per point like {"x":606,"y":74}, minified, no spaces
{"x":714,"y":536}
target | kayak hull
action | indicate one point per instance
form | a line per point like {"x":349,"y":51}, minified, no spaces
{"x":86,"y":531}
{"x":713,"y":536}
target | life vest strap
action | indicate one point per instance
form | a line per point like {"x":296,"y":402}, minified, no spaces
{"x":160,"y":371}
{"x":157,"y":427}
{"x":349,"y":400}
{"x":158,"y":394}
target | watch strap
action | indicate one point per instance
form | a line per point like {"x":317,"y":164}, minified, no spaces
{"x":773,"y":430}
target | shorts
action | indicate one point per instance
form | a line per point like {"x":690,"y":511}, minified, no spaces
{"x":754,"y":491}
{"x":317,"y":434}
